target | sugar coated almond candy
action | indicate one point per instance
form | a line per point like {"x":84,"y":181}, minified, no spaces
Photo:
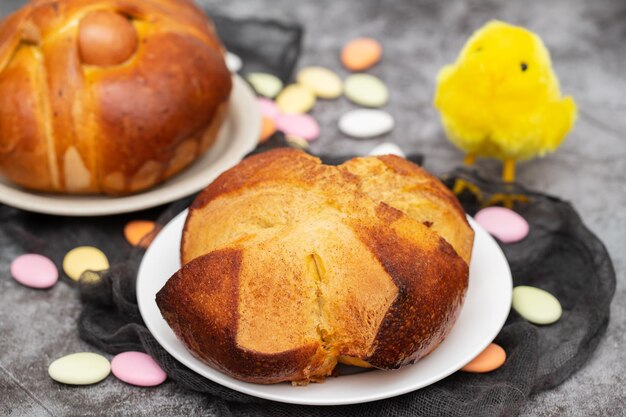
{"x":366,"y":90}
{"x":34,"y":271}
{"x":366,"y":123}
{"x":387,"y":148}
{"x":321,"y":81}
{"x":137,"y":230}
{"x":301,"y":125}
{"x":84,"y":258}
{"x":361,"y":54}
{"x":490,"y":359}
{"x":295,"y":99}
{"x":233,"y":62}
{"x":82,"y":368}
{"x":265,"y":84}
{"x":268,"y":128}
{"x":268,"y":108}
{"x":297,"y":142}
{"x":536,"y":305}
{"x":503,"y":223}
{"x":137,"y":368}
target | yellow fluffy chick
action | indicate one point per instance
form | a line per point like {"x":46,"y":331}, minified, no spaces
{"x":501,"y":99}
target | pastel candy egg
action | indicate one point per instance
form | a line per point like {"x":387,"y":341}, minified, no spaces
{"x":488,"y":360}
{"x":233,"y":62}
{"x":265,"y":84}
{"x":295,"y":98}
{"x":536,"y":305}
{"x":90,"y":278}
{"x":80,"y":369}
{"x":387,"y":148}
{"x":268,"y":108}
{"x":361,"y":54}
{"x":137,"y":230}
{"x":268,"y":128}
{"x":366,"y":123}
{"x":366,"y":90}
{"x":321,"y":81}
{"x":35,"y":271}
{"x":84,"y":258}
{"x":297,"y":142}
{"x":137,"y":368}
{"x":301,"y":125}
{"x":503,"y":223}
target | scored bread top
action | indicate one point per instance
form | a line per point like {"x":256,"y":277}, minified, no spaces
{"x":107,"y":96}
{"x":410,"y":189}
{"x":291,"y":266}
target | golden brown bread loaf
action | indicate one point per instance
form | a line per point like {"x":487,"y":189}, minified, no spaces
{"x":107,"y":96}
{"x":290,"y":266}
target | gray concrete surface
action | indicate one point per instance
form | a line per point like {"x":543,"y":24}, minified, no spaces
{"x":588,"y":44}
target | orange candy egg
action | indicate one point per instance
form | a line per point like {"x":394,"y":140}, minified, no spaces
{"x":361,"y":54}
{"x":136,"y":232}
{"x":488,"y":360}
{"x":268,"y":128}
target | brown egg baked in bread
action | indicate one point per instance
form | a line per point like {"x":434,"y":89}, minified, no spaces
{"x":107,"y":96}
{"x":291,"y":266}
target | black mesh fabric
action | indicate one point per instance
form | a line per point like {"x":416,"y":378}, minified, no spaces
{"x":565,"y":258}
{"x":266,"y":45}
{"x":560,"y":255}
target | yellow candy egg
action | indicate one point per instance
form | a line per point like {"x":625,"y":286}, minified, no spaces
{"x":84,"y":258}
{"x":321,"y":81}
{"x":295,"y":98}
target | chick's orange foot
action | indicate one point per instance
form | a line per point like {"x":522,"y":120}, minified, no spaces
{"x":462,"y":186}
{"x":506,"y":200}
{"x":464,"y":189}
{"x":509,"y":198}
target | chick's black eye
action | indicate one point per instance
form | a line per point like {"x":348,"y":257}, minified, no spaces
{"x":524,"y":66}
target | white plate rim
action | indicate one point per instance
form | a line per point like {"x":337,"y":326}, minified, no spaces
{"x":147,"y":307}
{"x":243,"y":117}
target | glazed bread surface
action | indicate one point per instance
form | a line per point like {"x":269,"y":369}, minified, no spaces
{"x":107,"y":96}
{"x":291,"y":266}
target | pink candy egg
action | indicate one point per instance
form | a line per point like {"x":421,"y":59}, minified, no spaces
{"x":137,"y":368}
{"x":268,"y":108}
{"x":503,"y":223}
{"x":301,"y":125}
{"x":35,"y":271}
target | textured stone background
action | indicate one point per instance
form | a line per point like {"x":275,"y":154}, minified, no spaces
{"x":588,"y":44}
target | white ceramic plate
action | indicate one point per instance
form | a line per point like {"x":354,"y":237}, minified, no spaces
{"x":238,"y":136}
{"x":485,"y":310}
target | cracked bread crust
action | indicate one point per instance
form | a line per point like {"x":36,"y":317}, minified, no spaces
{"x":429,"y":298}
{"x":209,"y":285}
{"x":396,"y":182}
{"x":291,"y":266}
